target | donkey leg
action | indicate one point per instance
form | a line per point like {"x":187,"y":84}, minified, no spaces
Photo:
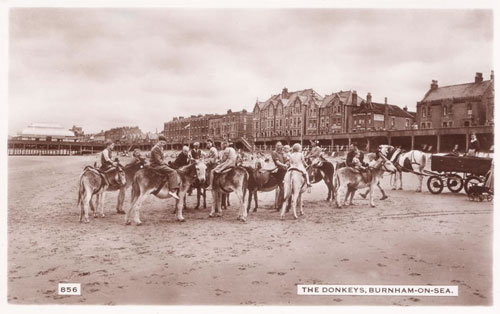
{"x":214,"y":204}
{"x":256,"y":200}
{"x":243,"y":210}
{"x":384,"y":196}
{"x":204,"y":198}
{"x":220,"y":200}
{"x":198,"y":191}
{"x":86,"y":204}
{"x":101,"y":204}
{"x":136,"y":210}
{"x":121,"y":199}
{"x":372,"y":204}
{"x":301,"y":205}
{"x":295,"y":198}
{"x":179,"y":206}
{"x":353,"y":191}
{"x":249,"y":202}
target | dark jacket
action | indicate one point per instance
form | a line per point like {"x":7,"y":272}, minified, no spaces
{"x":196,"y":153}
{"x":181,"y":160}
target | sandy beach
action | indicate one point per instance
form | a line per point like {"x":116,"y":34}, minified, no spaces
{"x":409,"y":239}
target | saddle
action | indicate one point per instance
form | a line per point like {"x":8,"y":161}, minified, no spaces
{"x":104,"y":179}
{"x":365,"y":174}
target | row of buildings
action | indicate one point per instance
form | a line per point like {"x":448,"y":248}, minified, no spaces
{"x":291,"y":115}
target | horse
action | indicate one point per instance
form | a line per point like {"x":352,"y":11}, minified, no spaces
{"x":322,"y":170}
{"x":149,"y":181}
{"x":95,"y":182}
{"x":130,"y":170}
{"x":234,"y":179}
{"x":353,"y":179}
{"x":294,"y":185}
{"x":412,"y":161}
{"x":264,"y":180}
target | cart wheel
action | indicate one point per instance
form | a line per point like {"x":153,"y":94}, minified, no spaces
{"x":435,"y":185}
{"x":471,"y":181}
{"x":454,"y":183}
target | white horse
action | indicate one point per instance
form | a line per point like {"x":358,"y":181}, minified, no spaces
{"x":413,"y":161}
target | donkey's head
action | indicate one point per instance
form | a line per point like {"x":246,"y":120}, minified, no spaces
{"x":120,"y":177}
{"x":385,"y":164}
{"x":201,"y":170}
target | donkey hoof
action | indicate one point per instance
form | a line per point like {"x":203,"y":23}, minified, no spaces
{"x":400,"y":188}
{"x":119,"y":211}
{"x":127,"y":223}
{"x":394,"y":189}
{"x":384,"y":197}
{"x":138,"y":223}
{"x":372,"y":205}
{"x":102,"y":216}
{"x":282,"y":217}
{"x":295,"y":217}
{"x":181,"y":219}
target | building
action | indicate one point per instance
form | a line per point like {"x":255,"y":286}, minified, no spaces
{"x":124,"y":134}
{"x":335,"y":112}
{"x":287,"y":114}
{"x":469,"y":104}
{"x":372,"y":116}
{"x":236,"y":125}
{"x":46,"y":132}
{"x":185,"y":130}
{"x":78,"y":131}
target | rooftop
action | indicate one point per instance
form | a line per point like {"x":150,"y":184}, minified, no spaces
{"x":458,"y":91}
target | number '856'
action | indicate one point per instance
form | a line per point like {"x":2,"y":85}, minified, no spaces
{"x":69,"y":289}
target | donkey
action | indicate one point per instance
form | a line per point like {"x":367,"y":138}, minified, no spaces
{"x":235,"y":180}
{"x":352,"y":179}
{"x":264,"y":180}
{"x":149,"y":181}
{"x":413,"y":161}
{"x":130,"y":170}
{"x":322,"y":170}
{"x":294,"y":185}
{"x":94,"y":182}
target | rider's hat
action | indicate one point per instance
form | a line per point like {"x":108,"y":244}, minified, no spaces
{"x":162,"y":138}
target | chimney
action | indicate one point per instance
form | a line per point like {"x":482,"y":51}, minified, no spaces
{"x":284,"y":93}
{"x":478,"y":78}
{"x":492,"y":75}
{"x":369,"y":99}
{"x":385,"y":100}
{"x":434,"y":84}
{"x":354,"y":98}
{"x":405,"y":108}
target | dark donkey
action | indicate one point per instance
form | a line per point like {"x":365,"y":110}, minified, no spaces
{"x":321,"y":169}
{"x":95,"y":182}
{"x":130,"y":169}
{"x":264,"y":181}
{"x":149,"y":181}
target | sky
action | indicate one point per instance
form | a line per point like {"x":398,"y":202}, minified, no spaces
{"x":110,"y":67}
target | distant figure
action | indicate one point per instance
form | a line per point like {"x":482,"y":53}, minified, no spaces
{"x":107,"y":155}
{"x":279,"y":160}
{"x":212,"y":155}
{"x":473,"y":145}
{"x":196,"y":151}
{"x":158,"y":163}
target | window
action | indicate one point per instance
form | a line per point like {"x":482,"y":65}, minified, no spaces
{"x":423,"y":112}
{"x":407,"y":124}
{"x":429,"y":111}
{"x":469,"y":109}
{"x":393,"y":121}
{"x":423,"y":125}
{"x":445,"y":110}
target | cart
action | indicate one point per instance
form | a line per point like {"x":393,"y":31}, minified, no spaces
{"x":456,"y":172}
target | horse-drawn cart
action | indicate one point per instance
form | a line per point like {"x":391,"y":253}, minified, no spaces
{"x":456,"y":172}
